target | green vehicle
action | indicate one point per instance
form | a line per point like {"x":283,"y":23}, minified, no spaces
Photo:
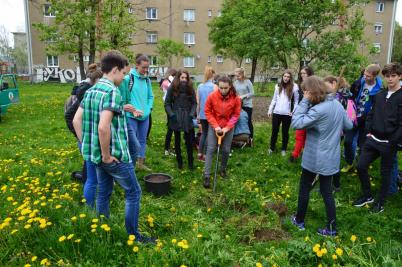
{"x":8,"y":92}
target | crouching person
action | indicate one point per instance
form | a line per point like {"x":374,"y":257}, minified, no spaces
{"x":222,"y":110}
{"x":324,"y":120}
{"x":101,"y":126}
{"x":384,"y":127}
{"x":241,"y":134}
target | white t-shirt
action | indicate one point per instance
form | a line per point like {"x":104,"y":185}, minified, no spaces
{"x":281,"y":104}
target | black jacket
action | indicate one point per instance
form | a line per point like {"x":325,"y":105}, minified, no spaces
{"x":384,"y":120}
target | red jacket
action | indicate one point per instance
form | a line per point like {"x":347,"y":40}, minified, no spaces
{"x":222,"y":111}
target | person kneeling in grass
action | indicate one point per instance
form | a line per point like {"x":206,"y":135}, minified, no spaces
{"x":324,"y":120}
{"x":384,"y":126}
{"x":101,"y":126}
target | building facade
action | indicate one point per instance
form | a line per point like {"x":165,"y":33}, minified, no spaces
{"x":186,"y":21}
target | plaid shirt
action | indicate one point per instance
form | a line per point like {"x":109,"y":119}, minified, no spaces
{"x":104,"y":96}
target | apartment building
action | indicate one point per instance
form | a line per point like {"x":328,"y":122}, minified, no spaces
{"x":186,"y":21}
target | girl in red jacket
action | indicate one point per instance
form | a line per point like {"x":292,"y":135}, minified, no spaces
{"x":222,"y":110}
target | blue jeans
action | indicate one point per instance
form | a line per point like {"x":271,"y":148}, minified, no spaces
{"x":90,"y":184}
{"x":123,"y":174}
{"x":133,"y":144}
{"x":140,"y":128}
{"x":393,"y":188}
{"x":350,"y":145}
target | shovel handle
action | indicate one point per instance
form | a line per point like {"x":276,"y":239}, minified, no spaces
{"x":220,"y":137}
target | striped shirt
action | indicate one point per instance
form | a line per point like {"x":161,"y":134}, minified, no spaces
{"x":104,"y":96}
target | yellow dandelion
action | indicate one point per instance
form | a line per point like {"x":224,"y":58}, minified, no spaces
{"x":93,"y":230}
{"x":183,"y":265}
{"x":324,"y":251}
{"x":369,"y":239}
{"x":258,"y":264}
{"x":27,"y":226}
{"x":199,"y":235}
{"x":353,"y":238}
{"x":174,"y":241}
{"x":14,"y":231}
{"x":70,"y":236}
{"x":74,"y":218}
{"x":34,"y":258}
{"x":130,"y":242}
{"x":77,"y":240}
{"x":94,"y":226}
{"x":27,"y":265}
{"x":45,"y":261}
{"x":62,"y":238}
{"x":83,"y":215}
{"x":58,"y":207}
{"x":339,"y":251}
{"x":316,"y":248}
{"x":131,"y":237}
{"x":95,"y":220}
{"x":135,"y":249}
{"x":319,"y":253}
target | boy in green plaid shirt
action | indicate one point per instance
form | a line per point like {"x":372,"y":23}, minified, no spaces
{"x":101,"y":126}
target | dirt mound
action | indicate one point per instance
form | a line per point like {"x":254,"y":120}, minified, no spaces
{"x":260,"y":108}
{"x":279,"y":207}
{"x":266,"y":234}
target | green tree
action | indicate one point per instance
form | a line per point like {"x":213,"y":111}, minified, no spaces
{"x":397,"y":47}
{"x":87,"y":27}
{"x":290,"y":32}
{"x":168,"y":49}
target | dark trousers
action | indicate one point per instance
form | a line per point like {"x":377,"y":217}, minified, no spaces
{"x":371,"y":151}
{"x":306,"y":182}
{"x":250,"y":121}
{"x":168,"y":137}
{"x":202,"y":147}
{"x":150,"y":124}
{"x":277,"y":120}
{"x":188,"y":138}
{"x":358,"y":132}
{"x":336,"y":180}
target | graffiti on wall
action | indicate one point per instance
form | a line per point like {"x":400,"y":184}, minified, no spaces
{"x":57,"y":75}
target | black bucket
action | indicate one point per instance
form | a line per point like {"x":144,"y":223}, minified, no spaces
{"x":158,"y":183}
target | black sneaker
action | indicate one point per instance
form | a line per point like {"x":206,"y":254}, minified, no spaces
{"x":377,"y":208}
{"x":360,"y":202}
{"x":292,"y":159}
{"x":223,"y":174}
{"x":145,"y":240}
{"x":207,"y":182}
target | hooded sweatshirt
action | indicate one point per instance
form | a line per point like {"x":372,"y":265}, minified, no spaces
{"x":141,"y":95}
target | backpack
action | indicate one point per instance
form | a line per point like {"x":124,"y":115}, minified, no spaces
{"x":73,"y":103}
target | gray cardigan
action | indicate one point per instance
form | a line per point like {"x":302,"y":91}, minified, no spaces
{"x":324,"y":123}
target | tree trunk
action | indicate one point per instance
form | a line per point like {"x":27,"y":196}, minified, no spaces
{"x":92,"y":35}
{"x":81,"y":60}
{"x":253,"y":69}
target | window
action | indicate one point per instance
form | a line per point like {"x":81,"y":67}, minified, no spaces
{"x":152,"y":37}
{"x":130,"y":10}
{"x":209,"y":59}
{"x":219,"y":13}
{"x":377,"y":47}
{"x":130,"y":36}
{"x":378,"y":27}
{"x":189,"y":62}
{"x":153,"y":60}
{"x":219,"y":59}
{"x":152,"y":13}
{"x":52,"y":61}
{"x":47,"y":10}
{"x":189,"y":14}
{"x":209,"y":13}
{"x":380,"y":7}
{"x":247,"y":60}
{"x":189,"y":38}
{"x":85,"y":58}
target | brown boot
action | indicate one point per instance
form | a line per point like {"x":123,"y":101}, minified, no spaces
{"x":141,"y":165}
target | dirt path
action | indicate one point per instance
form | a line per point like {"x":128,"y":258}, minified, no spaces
{"x":260,"y":108}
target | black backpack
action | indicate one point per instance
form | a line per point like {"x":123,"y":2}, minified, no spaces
{"x":73,"y":103}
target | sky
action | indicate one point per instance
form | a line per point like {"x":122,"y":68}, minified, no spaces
{"x":13,"y":18}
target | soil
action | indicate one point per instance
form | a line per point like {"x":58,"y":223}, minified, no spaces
{"x":279,"y":207}
{"x":158,"y":179}
{"x":266,"y":234}
{"x":260,"y":108}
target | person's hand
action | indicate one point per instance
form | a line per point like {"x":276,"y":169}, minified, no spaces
{"x":269,"y":115}
{"x":138,"y":113}
{"x":218,"y":130}
{"x":225,"y":130}
{"x":109,"y":159}
{"x":129,"y":108}
{"x":198,"y":120}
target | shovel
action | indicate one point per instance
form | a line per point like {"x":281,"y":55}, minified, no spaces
{"x":220,"y":137}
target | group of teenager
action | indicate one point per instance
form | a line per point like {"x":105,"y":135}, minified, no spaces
{"x":112,"y":117}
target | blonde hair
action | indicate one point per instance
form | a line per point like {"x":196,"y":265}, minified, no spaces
{"x":373,"y":69}
{"x":209,"y":73}
{"x":242,"y":72}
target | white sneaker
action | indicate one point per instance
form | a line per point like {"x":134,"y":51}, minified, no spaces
{"x":166,"y":152}
{"x":283,"y":153}
{"x":269,"y":151}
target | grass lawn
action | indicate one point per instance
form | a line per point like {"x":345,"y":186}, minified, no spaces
{"x":43,"y":219}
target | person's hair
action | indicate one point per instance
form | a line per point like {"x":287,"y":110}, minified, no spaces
{"x":170,"y":72}
{"x":309,"y":70}
{"x":317,"y":89}
{"x":340,"y":81}
{"x":140,"y":58}
{"x":95,"y":75}
{"x":176,"y":83}
{"x":242,"y":72}
{"x":208,"y":73}
{"x":373,"y":69}
{"x":288,"y":87}
{"x":391,"y":68}
{"x":331,"y":79}
{"x":226,"y":79}
{"x":113,"y":59}
{"x":93,"y":67}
